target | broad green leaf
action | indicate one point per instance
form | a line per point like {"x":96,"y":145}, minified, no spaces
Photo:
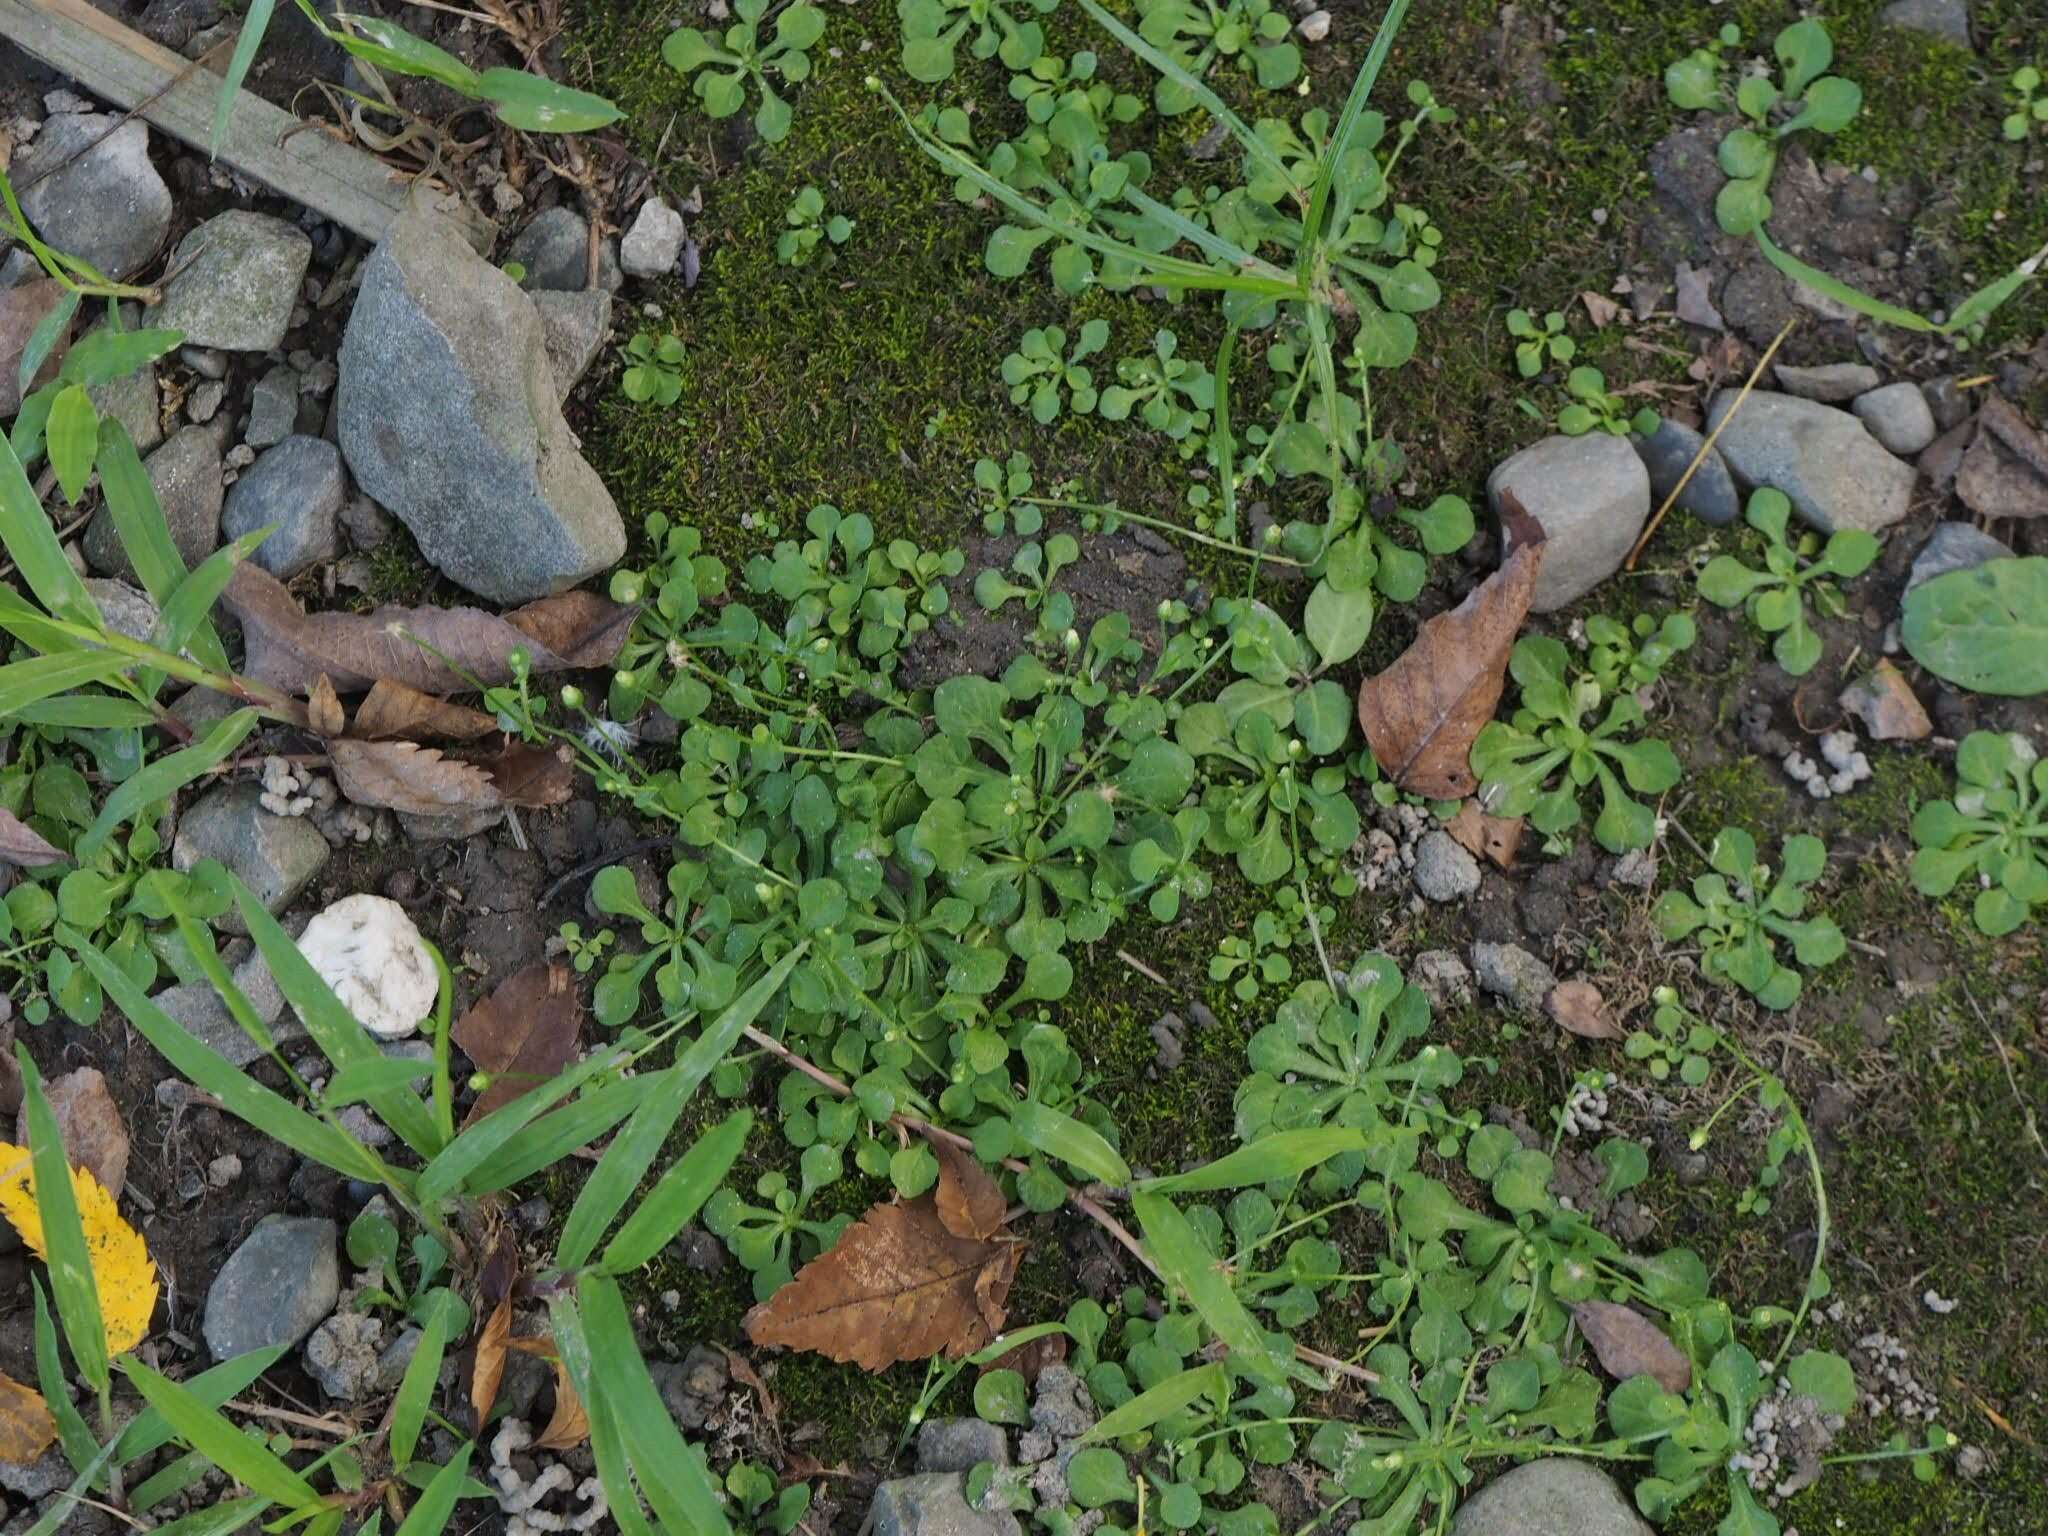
{"x":1984,"y":629}
{"x":1804,"y":52}
{"x":1281,"y":1155}
{"x":1825,"y":1377}
{"x":1062,"y":1136}
{"x":386,"y":45}
{"x":72,"y":438}
{"x":1187,"y":1263}
{"x":536,"y":105}
{"x":1337,"y":623}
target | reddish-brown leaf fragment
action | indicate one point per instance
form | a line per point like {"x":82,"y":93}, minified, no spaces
{"x":522,"y":1035}
{"x":487,"y":1366}
{"x":401,"y":776}
{"x":1421,"y":714}
{"x":89,"y":1121}
{"x":1579,"y":1007}
{"x":896,"y":1286}
{"x":531,"y":776}
{"x":22,"y":844}
{"x":970,"y":1202}
{"x":1494,"y":837}
{"x":323,"y":708}
{"x":1629,"y":1344}
{"x":394,"y":709}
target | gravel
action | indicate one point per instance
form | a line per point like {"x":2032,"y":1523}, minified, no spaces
{"x":1444,"y":870}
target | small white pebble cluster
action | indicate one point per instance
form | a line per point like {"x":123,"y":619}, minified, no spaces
{"x":295,"y":791}
{"x":1937,"y":1303}
{"x":1585,"y":1109}
{"x":1897,"y":1390}
{"x":1841,"y":769}
{"x":521,"y":1499}
{"x":1389,"y":847}
{"x":1784,"y":1427}
{"x":286,"y":790}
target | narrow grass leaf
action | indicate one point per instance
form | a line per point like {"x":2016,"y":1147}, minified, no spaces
{"x":255,"y":22}
{"x":1169,"y":1396}
{"x":150,"y":1430}
{"x":607,"y":1445}
{"x":1179,"y":74}
{"x":70,"y":1261}
{"x":450,"y":1168}
{"x":61,"y":1508}
{"x":1282,"y":1155}
{"x":184,"y":624}
{"x":170,"y":1480}
{"x":554,"y":1136}
{"x":429,"y":1516}
{"x":534,"y":104}
{"x":1062,"y":1136}
{"x":107,"y":355}
{"x":146,"y":536}
{"x":1187,"y":1262}
{"x":1354,"y":107}
{"x":681,"y":1191}
{"x":164,"y":777}
{"x":1835,"y":288}
{"x":24,"y":683}
{"x":416,"y":1390}
{"x":85,"y":712}
{"x":81,"y":1445}
{"x":32,"y":545}
{"x":221,"y":1520}
{"x":247,"y":1461}
{"x":45,"y":336}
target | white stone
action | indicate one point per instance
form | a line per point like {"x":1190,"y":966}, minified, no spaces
{"x":369,"y":952}
{"x":655,"y":242}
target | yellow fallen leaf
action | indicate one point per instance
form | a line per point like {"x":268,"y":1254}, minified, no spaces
{"x":26,"y":1428}
{"x":121,"y":1265}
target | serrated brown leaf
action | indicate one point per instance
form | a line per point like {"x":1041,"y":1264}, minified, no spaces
{"x":487,"y":1361}
{"x":26,"y":1428}
{"x":1579,"y":1007}
{"x":394,"y":709}
{"x":289,"y":648}
{"x":89,"y":1123}
{"x":896,"y":1286}
{"x":324,"y":715}
{"x":531,"y":776}
{"x":1492,"y":837}
{"x":22,"y":844}
{"x":970,"y":1203}
{"x":403,"y":776}
{"x":1420,"y":715}
{"x":523,"y":1034}
{"x":1629,"y":1344}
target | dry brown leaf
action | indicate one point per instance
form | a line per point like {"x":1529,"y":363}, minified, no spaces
{"x":394,"y":709}
{"x":487,"y":1364}
{"x":523,"y":1034}
{"x":21,"y":844}
{"x":1031,"y":1357}
{"x":323,"y":708}
{"x":1579,"y":1007}
{"x":23,"y":308}
{"x":1629,"y":1344}
{"x":289,"y":648}
{"x":1421,"y":714}
{"x":970,"y":1202}
{"x":11,"y":1087}
{"x":1600,"y":309}
{"x":896,"y":1286}
{"x":528,"y":776}
{"x":402,"y":776}
{"x":569,"y":1424}
{"x":89,"y":1121}
{"x":1494,"y":837}
{"x":26,"y":1428}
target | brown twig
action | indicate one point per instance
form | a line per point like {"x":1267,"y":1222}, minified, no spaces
{"x":1142,"y":968}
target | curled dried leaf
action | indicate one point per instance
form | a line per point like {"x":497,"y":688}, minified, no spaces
{"x":395,"y":709}
{"x":323,"y":708}
{"x":1629,"y":1344}
{"x":1579,"y":1007}
{"x":970,"y":1202}
{"x":1494,"y":837}
{"x":89,"y":1123}
{"x":21,"y":844}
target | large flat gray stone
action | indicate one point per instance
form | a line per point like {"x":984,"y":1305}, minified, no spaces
{"x":235,"y":280}
{"x":1550,"y":1496}
{"x":275,"y":1288}
{"x":1591,"y":494}
{"x":87,"y":186}
{"x":1836,"y":474}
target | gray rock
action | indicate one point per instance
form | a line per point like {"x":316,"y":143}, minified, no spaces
{"x":273,"y":407}
{"x":199,"y":1008}
{"x":1550,"y":1496}
{"x":1948,"y":20}
{"x":2004,"y":473}
{"x":298,"y":486}
{"x":343,"y":1355}
{"x":1825,"y":460}
{"x":573,"y":327}
{"x":236,"y":279}
{"x":275,"y":1288}
{"x":367,"y":523}
{"x":694,"y":1388}
{"x":37,"y":1479}
{"x":654,"y":244}
{"x":275,"y":856}
{"x":1591,"y":494}
{"x":1950,"y":405}
{"x":1444,"y":871}
{"x":1831,"y":382}
{"x":185,"y":473}
{"x":204,"y":403}
{"x":449,"y":418}
{"x":133,"y":401}
{"x":1954,"y":547}
{"x":555,"y":250}
{"x":128,"y":610}
{"x":24,"y":307}
{"x":1898,"y":416}
{"x":1667,"y":453}
{"x":934,"y":1504}
{"x":1511,"y":973}
{"x":1442,"y":976}
{"x":1061,"y":1406}
{"x":960,"y":1445}
{"x":107,"y":205}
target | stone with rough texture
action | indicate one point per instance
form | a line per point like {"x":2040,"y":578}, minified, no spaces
{"x":2005,"y":471}
{"x":573,"y":327}
{"x":371,"y":954}
{"x":449,"y":417}
{"x":275,"y":856}
{"x":343,"y":1355}
{"x":297,"y":486}
{"x":555,"y":250}
{"x":1948,"y":20}
{"x":935,"y":1504}
{"x":1444,"y":871}
{"x":185,"y":473}
{"x":1591,"y":494}
{"x":273,"y":407}
{"x":960,"y":1445}
{"x":1510,"y":972}
{"x":654,"y":244}
{"x":1550,"y":1496}
{"x":101,"y":200}
{"x":236,"y":278}
{"x":1954,"y":547}
{"x":1830,"y":383}
{"x":1884,"y":702}
{"x":37,"y":1479}
{"x":1668,"y":452}
{"x":693,"y":1388}
{"x":1898,"y":416}
{"x":1836,"y":474}
{"x":128,"y":610}
{"x":275,"y":1288}
{"x":197,"y":1006}
{"x":134,"y":401}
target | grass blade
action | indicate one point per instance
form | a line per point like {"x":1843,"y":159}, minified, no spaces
{"x":71,"y":438}
{"x":1187,"y":1262}
{"x":554,"y":1136}
{"x":416,"y":1390}
{"x":254,"y":25}
{"x":85,"y":712}
{"x":29,"y":682}
{"x":1835,"y":288}
{"x":60,"y":1508}
{"x":449,"y":1169}
{"x":44,"y":337}
{"x":81,"y":1445}
{"x":1062,"y":1136}
{"x":221,"y":1520}
{"x":1170,"y":1396}
{"x":246,"y":1460}
{"x":1354,"y":108}
{"x":429,"y":1516}
{"x":607,"y":1445}
{"x":70,"y":1261}
{"x":634,"y":1149}
{"x":682,"y":1190}
{"x":31,"y":543}
{"x":163,"y":777}
{"x":145,"y":535}
{"x":150,"y":1430}
{"x":1283,"y":1155}
{"x":184,"y":624}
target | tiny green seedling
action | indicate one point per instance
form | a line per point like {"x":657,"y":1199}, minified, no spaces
{"x":932,"y":29}
{"x":1995,"y":828}
{"x":1036,"y":565}
{"x":1775,"y":597}
{"x":997,"y":487}
{"x":1594,"y":405}
{"x":1736,"y":913}
{"x":1635,"y":654}
{"x":1536,"y":763}
{"x":1677,"y":1043}
{"x":1046,"y":377}
{"x":1170,"y":394}
{"x":1539,"y":343}
{"x":1200,"y":34}
{"x":654,"y":369}
{"x":808,"y":226}
{"x":2030,"y":105}
{"x":723,"y":67}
